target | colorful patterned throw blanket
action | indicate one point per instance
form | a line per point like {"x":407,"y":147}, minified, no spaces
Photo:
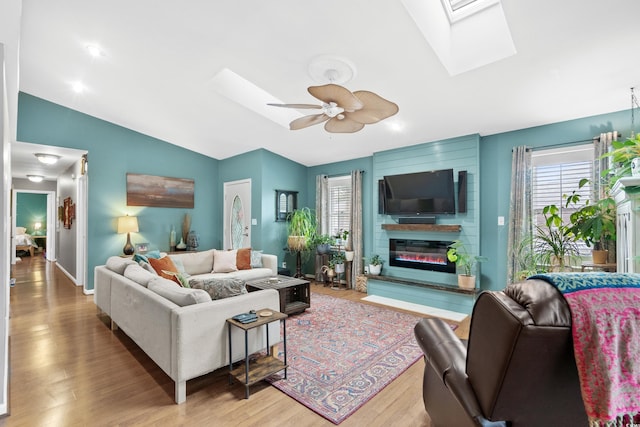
{"x":605,"y":313}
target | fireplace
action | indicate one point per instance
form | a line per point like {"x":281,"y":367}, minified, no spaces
{"x":420,"y":254}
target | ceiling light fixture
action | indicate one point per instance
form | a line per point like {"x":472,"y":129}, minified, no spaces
{"x":94,"y":50}
{"x":47,"y":159}
{"x":35,"y":178}
{"x":77,"y":87}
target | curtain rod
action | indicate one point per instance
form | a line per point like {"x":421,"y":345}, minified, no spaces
{"x":342,"y":174}
{"x":564,"y":144}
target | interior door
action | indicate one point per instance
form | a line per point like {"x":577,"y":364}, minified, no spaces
{"x":237,"y":214}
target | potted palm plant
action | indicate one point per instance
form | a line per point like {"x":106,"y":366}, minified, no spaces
{"x":458,"y":253}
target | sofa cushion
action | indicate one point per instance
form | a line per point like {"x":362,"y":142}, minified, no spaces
{"x":243,"y":259}
{"x":118,"y":264}
{"x":219,"y":288}
{"x":224,"y":261}
{"x":256,"y":259}
{"x":139,"y":275}
{"x":174,"y":293}
{"x":196,"y":262}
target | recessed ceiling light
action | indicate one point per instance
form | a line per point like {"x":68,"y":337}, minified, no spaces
{"x":77,"y":87}
{"x":35,"y":178}
{"x":47,"y":159}
{"x":94,"y":50}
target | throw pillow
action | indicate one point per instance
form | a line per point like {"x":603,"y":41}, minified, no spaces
{"x":243,"y":259}
{"x":163,"y":264}
{"x":224,"y":261}
{"x":220,"y":288}
{"x":179,"y":278}
{"x":256,"y":259}
{"x":176,"y":294}
{"x":179,"y":265}
{"x":153,"y":254}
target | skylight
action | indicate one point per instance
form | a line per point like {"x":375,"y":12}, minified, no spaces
{"x":464,"y":34}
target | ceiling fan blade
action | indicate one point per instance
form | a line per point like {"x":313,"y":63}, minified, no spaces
{"x":375,"y":108}
{"x":345,"y":125}
{"x":298,"y":106}
{"x":338,"y":94}
{"x":307,"y":121}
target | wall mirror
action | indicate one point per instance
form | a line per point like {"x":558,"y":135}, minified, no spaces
{"x":286,"y":203}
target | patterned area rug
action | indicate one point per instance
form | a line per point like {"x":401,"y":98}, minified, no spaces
{"x":342,"y":353}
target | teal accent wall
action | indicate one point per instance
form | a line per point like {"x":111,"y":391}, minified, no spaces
{"x":495,"y":178}
{"x":268,"y":172}
{"x":113,"y":151}
{"x":31,"y":208}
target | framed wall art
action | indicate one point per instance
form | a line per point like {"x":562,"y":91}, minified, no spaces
{"x":159,"y":191}
{"x":67,"y":213}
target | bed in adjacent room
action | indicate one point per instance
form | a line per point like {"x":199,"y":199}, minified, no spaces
{"x":24,"y":241}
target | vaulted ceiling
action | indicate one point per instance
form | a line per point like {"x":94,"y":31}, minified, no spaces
{"x":156,"y":71}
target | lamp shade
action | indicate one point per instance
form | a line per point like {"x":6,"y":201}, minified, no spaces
{"x":127,"y":224}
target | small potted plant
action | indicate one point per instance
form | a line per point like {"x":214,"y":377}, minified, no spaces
{"x":375,"y":265}
{"x":458,"y":253}
{"x":338,"y":259}
{"x":323,"y":243}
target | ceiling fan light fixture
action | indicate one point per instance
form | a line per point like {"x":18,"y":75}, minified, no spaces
{"x":47,"y":159}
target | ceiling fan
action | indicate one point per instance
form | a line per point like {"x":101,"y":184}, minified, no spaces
{"x":342,"y":110}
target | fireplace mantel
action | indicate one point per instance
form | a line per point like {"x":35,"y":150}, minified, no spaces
{"x":423,"y":227}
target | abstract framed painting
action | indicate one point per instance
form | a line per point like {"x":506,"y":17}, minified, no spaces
{"x":159,"y":191}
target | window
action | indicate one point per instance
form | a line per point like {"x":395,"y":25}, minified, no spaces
{"x":339,"y":204}
{"x":557,"y":172}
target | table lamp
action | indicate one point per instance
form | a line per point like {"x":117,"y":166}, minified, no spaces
{"x":128,"y":224}
{"x":36,"y":227}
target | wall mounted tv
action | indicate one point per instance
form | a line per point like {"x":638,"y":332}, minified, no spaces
{"x":420,"y":193}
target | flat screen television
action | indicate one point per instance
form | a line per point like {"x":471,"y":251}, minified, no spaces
{"x":420,"y":193}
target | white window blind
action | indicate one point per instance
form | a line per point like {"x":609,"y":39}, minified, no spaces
{"x":557,"y":172}
{"x":339,"y":204}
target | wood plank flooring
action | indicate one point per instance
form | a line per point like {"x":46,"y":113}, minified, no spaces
{"x":67,"y":368}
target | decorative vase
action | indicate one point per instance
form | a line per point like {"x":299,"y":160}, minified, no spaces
{"x":182,"y":245}
{"x":599,"y":257}
{"x":466,"y":282}
{"x":349,"y":255}
{"x":172,"y":238}
{"x":635,"y":166}
{"x":375,"y":270}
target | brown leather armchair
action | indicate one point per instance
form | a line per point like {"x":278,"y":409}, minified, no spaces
{"x":517,"y":369}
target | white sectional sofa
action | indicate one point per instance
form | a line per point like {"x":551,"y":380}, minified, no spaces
{"x":183,"y":330}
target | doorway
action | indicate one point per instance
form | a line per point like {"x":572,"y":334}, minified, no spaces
{"x":237,"y":214}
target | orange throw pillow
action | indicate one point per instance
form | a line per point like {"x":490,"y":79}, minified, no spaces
{"x":243,"y":259}
{"x":163,"y":263}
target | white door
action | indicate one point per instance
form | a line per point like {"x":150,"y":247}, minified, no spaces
{"x":237,"y":214}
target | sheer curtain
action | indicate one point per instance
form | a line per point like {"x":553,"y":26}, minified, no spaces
{"x":356,"y":225}
{"x":322,"y":215}
{"x":520,"y":221}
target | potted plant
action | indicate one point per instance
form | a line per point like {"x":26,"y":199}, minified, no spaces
{"x":323,"y":243}
{"x":342,"y":239}
{"x":338,"y":259}
{"x":458,"y":253}
{"x":622,"y":158}
{"x":595,"y":224}
{"x":301,"y":229}
{"x":554,"y":244}
{"x":375,"y":265}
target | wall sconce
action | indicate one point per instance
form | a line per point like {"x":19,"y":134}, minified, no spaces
{"x":84,"y":164}
{"x":128,"y":224}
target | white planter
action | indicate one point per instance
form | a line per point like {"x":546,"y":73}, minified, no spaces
{"x":349,"y":255}
{"x":466,"y":282}
{"x":339,"y":268}
{"x":375,"y":270}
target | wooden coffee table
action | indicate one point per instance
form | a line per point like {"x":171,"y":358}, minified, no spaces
{"x":295,"y":296}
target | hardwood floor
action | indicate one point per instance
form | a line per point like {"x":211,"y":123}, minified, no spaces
{"x":68,"y":368}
